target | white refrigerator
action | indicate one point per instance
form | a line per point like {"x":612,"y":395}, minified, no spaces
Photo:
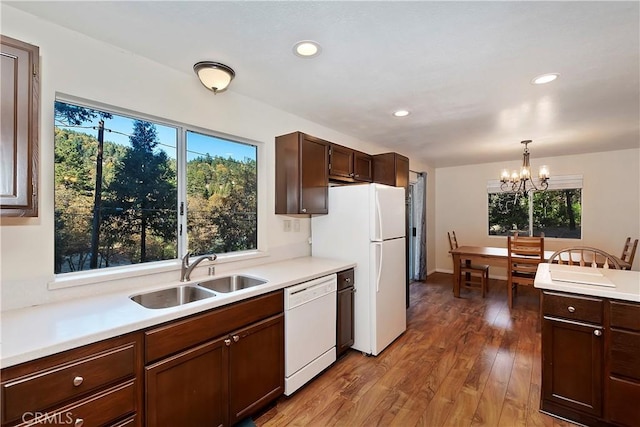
{"x":366,"y":224}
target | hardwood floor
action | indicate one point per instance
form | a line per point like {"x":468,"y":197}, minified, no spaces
{"x":462,"y":362}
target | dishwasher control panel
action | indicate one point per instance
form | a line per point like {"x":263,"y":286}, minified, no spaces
{"x":308,"y":291}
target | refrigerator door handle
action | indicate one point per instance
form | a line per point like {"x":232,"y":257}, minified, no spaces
{"x":379,"y":255}
{"x":378,"y":236}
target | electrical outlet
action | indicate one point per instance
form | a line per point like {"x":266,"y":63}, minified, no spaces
{"x":287,"y":225}
{"x":296,"y":225}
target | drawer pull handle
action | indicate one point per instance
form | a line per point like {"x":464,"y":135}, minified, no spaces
{"x":77,"y":381}
{"x":79,"y":422}
{"x":597,"y":332}
{"x":348,"y":280}
{"x":227,"y":342}
{"x":571,"y":309}
{"x":236,"y":338}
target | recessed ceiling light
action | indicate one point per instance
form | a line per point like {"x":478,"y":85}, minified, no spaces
{"x":307,"y":49}
{"x":544,"y":78}
{"x":401,"y":113}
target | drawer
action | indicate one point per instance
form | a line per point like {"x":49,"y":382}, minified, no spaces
{"x":345,"y":279}
{"x":625,"y":354}
{"x":47,"y":388}
{"x":625,"y":315}
{"x":573,"y":307}
{"x":180,"y":335}
{"x":93,"y":411}
{"x":622,"y":402}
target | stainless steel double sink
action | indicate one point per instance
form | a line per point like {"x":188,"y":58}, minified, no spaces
{"x":184,"y":294}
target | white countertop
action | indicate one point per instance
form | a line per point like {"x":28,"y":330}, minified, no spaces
{"x":625,"y":284}
{"x":34,"y":332}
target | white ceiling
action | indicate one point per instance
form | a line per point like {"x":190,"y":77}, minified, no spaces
{"x":463,"y":69}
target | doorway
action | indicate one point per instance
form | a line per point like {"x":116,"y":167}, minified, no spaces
{"x":416,"y":208}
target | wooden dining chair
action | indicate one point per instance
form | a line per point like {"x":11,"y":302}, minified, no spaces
{"x":469,"y":271}
{"x":524,"y":255}
{"x":585,"y":256}
{"x":629,"y":251}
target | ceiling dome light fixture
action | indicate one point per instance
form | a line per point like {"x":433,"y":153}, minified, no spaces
{"x":401,"y":113}
{"x":214,"y":75}
{"x":307,"y":49}
{"x":544,"y":78}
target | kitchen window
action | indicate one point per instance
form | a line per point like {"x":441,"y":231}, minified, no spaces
{"x":134,"y":190}
{"x":556,"y":212}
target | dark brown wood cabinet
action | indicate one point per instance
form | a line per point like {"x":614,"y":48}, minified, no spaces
{"x":347,"y":165}
{"x":302,"y":174}
{"x":590,"y":359}
{"x":94,"y":385}
{"x":256,"y":368}
{"x":218,"y":367}
{"x":19,"y":123}
{"x":189,"y":388}
{"x":345,"y":312}
{"x":391,"y":169}
{"x":622,"y":375}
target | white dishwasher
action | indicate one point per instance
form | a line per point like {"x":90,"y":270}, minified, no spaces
{"x":310,"y":330}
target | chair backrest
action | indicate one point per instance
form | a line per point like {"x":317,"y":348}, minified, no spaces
{"x":629,"y":250}
{"x":453,"y":242}
{"x":524,"y":255}
{"x":584,"y":256}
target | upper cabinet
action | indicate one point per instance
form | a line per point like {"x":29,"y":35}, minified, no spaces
{"x":19,"y":128}
{"x":349,"y":165}
{"x":391,"y":169}
{"x":305,"y":165}
{"x":302,"y":174}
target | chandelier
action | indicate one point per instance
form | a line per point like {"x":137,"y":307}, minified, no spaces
{"x":522,"y":183}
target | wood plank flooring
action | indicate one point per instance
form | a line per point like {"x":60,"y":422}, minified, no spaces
{"x":462,"y":362}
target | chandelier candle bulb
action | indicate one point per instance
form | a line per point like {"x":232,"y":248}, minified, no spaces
{"x":504,"y":177}
{"x":544,"y":172}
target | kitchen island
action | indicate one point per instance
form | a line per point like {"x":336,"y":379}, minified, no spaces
{"x":590,"y":344}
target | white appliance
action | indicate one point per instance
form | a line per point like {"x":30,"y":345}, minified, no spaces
{"x":366,"y":224}
{"x":309,"y":330}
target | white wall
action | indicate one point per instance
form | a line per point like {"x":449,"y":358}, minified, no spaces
{"x":75,"y":65}
{"x":610,"y":202}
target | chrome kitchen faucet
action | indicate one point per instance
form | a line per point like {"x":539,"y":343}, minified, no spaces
{"x":185,"y":271}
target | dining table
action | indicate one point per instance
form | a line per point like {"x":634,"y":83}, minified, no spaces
{"x":488,"y":255}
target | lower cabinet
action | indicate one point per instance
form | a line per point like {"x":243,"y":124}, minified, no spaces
{"x":256,"y":368}
{"x":573,"y":363}
{"x":345,"y":312}
{"x":590,"y":359}
{"x":228,"y":365}
{"x":211,"y":369}
{"x":622,"y":375}
{"x":95,"y":385}
{"x":189,"y":388}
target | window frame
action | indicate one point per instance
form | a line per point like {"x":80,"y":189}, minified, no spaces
{"x":562,"y":182}
{"x":85,"y":277}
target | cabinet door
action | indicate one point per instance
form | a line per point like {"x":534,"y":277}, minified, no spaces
{"x":19,"y":128}
{"x":256,"y":367}
{"x":572,"y":366}
{"x":314,"y":176}
{"x":190,"y":388}
{"x":363,"y":167}
{"x":341,"y":162}
{"x":391,"y":169}
{"x":345,"y":323}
